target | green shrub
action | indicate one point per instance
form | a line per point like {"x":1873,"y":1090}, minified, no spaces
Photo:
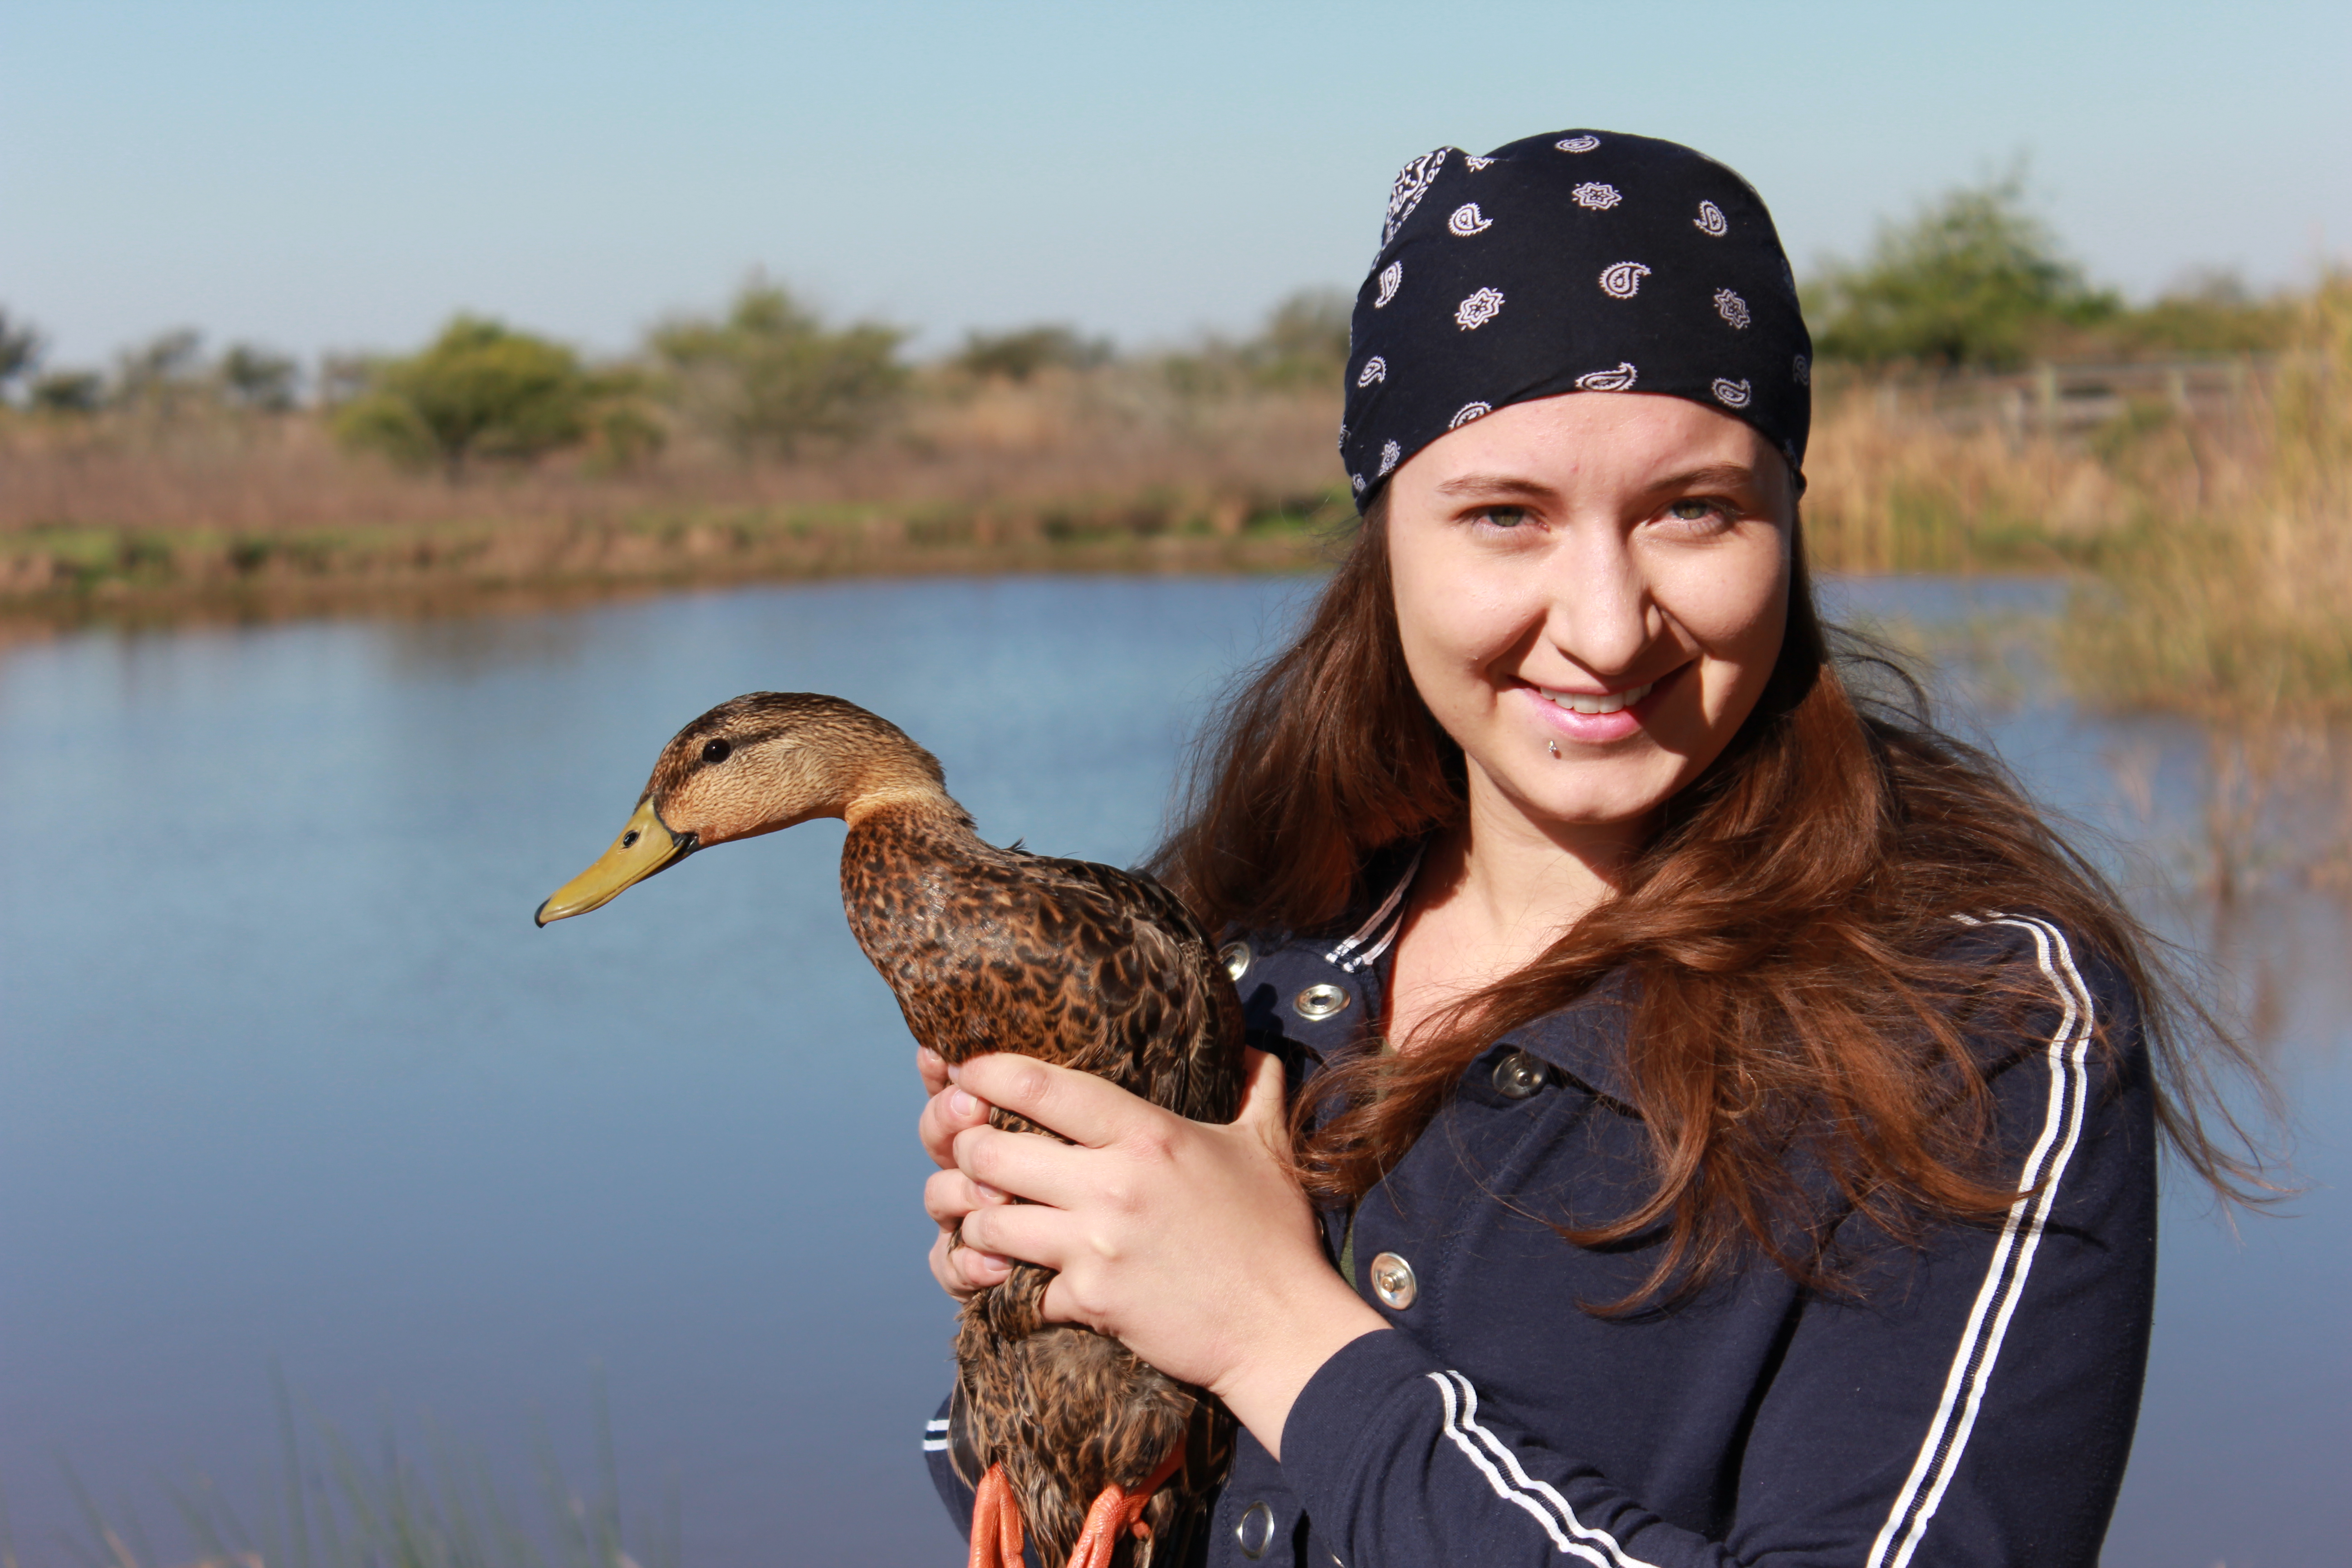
{"x":1018,"y":355}
{"x":770,"y":376}
{"x":254,"y":378}
{"x":1971,"y":280}
{"x":479,"y":390}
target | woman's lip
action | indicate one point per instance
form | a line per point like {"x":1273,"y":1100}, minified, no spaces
{"x":1600,"y":729}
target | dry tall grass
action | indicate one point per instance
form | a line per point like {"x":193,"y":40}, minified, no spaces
{"x":2238,"y":600}
{"x":1891,"y":488}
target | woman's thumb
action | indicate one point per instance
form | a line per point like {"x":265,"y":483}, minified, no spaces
{"x":1265,"y":1098}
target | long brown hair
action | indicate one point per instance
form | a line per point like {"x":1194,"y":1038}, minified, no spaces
{"x":1779,"y":938}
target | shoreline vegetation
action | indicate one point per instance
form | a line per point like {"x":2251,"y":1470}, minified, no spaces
{"x":2186,"y":464}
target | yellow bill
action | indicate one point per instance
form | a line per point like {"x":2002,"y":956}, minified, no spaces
{"x":644,"y":846}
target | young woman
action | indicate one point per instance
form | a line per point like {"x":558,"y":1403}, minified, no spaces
{"x":1722,"y":1126}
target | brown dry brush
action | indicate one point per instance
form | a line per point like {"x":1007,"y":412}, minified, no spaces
{"x":122,"y":507}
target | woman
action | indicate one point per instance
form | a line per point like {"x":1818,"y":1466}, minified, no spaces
{"x":1726,"y":1104}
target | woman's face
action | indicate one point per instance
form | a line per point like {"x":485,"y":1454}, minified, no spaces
{"x":1601,"y":573}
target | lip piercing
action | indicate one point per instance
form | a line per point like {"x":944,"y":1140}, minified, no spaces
{"x":1555,"y":747}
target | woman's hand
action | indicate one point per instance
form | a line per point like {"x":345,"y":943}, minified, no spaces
{"x":1189,"y":1242}
{"x":950,"y":1194}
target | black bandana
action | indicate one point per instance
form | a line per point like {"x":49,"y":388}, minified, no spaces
{"x":1577,"y":261}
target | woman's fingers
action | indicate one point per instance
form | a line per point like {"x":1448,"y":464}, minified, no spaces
{"x":948,"y":1196}
{"x":960,"y":1270}
{"x":949,"y":1111}
{"x":933,"y":1068}
{"x":1032,"y":1233}
{"x":1082,"y":1107}
{"x":1034,"y":1168}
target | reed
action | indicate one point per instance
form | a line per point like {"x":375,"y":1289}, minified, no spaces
{"x":338,"y":1507}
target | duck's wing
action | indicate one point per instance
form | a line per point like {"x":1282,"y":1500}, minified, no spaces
{"x":1073,"y":963}
{"x":1170,"y":1023}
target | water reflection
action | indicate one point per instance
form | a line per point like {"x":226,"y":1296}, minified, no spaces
{"x":289,"y":1077}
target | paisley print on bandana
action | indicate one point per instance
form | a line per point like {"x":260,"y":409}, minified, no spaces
{"x":1623,"y":280}
{"x":1412,"y":182}
{"x":1467,"y":220}
{"x":1478,"y":310}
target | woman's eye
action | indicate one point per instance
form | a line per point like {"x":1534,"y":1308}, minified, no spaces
{"x":1694,"y":511}
{"x":1504,"y":516}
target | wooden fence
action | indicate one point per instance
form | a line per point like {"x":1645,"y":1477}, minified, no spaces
{"x":2074,"y":399}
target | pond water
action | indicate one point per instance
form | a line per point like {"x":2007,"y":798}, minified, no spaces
{"x":289,"y":1084}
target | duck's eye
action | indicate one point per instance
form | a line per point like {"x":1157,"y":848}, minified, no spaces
{"x":716,"y":751}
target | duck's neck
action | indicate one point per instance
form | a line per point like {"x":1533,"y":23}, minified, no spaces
{"x":912,"y":796}
{"x":907,"y":854}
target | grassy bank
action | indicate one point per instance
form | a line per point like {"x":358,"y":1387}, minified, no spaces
{"x":74,"y":572}
{"x":1109,"y":468}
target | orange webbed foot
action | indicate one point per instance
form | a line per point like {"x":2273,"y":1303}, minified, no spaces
{"x":996,"y":1534}
{"x":1119,"y":1511}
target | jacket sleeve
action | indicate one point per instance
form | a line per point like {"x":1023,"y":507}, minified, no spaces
{"x":1975,"y":1406}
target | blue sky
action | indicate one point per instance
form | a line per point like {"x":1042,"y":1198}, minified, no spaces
{"x":327,"y":174}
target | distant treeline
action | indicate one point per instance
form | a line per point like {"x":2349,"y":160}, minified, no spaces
{"x":1972,"y":281}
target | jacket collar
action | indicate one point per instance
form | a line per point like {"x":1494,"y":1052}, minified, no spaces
{"x":1586,"y":1039}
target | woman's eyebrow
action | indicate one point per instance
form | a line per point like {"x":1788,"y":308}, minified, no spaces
{"x":1716,"y":476}
{"x":1497,"y":485}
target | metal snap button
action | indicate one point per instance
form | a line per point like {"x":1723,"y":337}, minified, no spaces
{"x":1235,"y":957}
{"x":1517,"y":1076}
{"x":1254,"y":1531}
{"x":1318,"y":1003}
{"x":1392,"y":1281}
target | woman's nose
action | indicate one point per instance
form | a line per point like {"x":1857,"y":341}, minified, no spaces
{"x":1601,"y":609}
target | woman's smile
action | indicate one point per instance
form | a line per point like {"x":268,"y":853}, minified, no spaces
{"x":1591,"y":718}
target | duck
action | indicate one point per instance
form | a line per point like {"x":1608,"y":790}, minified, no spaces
{"x":1072,"y":1442}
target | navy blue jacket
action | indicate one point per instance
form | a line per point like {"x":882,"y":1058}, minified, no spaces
{"x":1974,"y":1405}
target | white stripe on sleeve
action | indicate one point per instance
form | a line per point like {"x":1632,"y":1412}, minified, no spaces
{"x":2012,"y":1256}
{"x":1519,"y":1489}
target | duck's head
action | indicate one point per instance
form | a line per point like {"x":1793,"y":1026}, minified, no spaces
{"x":762,"y":762}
